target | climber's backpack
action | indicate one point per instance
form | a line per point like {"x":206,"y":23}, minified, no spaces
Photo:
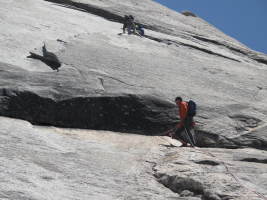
{"x":192,"y":108}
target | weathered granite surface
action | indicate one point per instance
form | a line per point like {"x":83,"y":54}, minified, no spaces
{"x":214,"y":173}
{"x":126,"y":83}
{"x":54,"y":163}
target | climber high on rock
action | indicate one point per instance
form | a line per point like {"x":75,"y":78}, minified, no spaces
{"x":129,"y":24}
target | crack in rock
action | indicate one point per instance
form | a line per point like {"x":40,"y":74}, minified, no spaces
{"x":169,"y":42}
{"x":207,"y":162}
{"x":244,"y":52}
{"x":116,"y":79}
{"x":256,"y":160}
{"x":186,"y":186}
{"x":101,"y":83}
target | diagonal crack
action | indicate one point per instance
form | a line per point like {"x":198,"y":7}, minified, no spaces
{"x":169,"y":42}
{"x":244,"y":52}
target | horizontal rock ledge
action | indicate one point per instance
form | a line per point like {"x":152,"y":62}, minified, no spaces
{"x":124,"y":113}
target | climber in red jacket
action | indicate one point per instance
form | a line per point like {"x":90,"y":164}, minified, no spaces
{"x":185,"y":124}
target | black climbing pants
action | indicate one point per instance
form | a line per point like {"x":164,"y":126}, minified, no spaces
{"x":184,"y":133}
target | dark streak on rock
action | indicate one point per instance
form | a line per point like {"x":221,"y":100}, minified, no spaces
{"x":169,"y":42}
{"x":261,"y":60}
{"x":209,"y":51}
{"x":211,"y":140}
{"x":102,"y":82}
{"x":147,"y":114}
{"x":247,"y":53}
{"x":256,"y":160}
{"x":207,"y":162}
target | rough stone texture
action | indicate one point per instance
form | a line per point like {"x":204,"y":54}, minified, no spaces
{"x":127,"y":83}
{"x":51,"y":163}
{"x":162,"y":19}
{"x":238,"y":174}
{"x":54,"y":163}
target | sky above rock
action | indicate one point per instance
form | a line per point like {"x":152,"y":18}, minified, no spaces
{"x":242,"y":19}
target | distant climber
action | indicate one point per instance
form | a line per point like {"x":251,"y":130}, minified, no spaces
{"x":129,"y":24}
{"x":48,"y":58}
{"x":125,"y":23}
{"x":182,"y":132}
{"x":140,"y":30}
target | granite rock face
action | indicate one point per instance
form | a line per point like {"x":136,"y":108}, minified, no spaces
{"x":54,"y":163}
{"x":51,"y":163}
{"x":127,"y":83}
{"x":214,"y":173}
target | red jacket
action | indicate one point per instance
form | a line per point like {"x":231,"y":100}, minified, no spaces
{"x":183,"y":108}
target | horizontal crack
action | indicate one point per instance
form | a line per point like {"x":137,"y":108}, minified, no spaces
{"x":169,"y":42}
{"x":256,"y":160}
{"x":209,"y":52}
{"x":247,"y":53}
{"x":90,"y":8}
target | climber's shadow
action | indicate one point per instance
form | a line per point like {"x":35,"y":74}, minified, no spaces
{"x":48,"y":58}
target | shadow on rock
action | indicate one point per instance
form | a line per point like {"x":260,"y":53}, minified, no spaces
{"x":48,"y":58}
{"x":141,"y":114}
